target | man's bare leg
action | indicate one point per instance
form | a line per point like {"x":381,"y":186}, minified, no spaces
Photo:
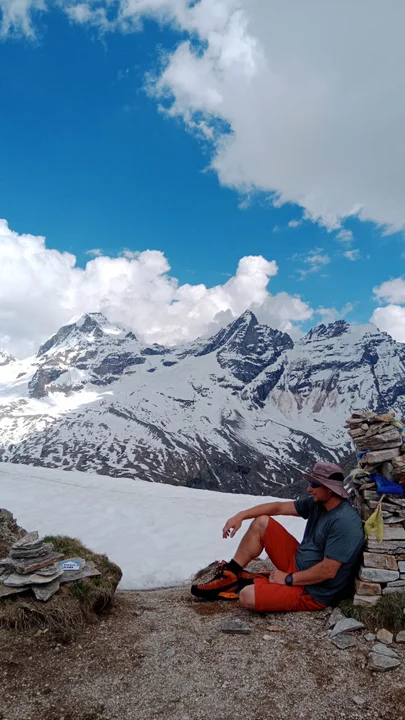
{"x":251,"y":545}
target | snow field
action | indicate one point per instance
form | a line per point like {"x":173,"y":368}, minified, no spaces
{"x":160,"y":535}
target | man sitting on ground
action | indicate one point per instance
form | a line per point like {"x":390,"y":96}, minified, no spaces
{"x":309,"y":575}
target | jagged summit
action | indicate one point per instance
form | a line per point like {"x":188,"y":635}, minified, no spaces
{"x":5,"y":358}
{"x":332,"y":330}
{"x":85,"y":328}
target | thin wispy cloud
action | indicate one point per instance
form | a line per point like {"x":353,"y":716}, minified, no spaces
{"x":95,"y":252}
{"x":345,"y":236}
{"x":315,"y":261}
{"x":352,"y":255}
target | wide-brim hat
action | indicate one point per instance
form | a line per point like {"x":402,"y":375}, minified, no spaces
{"x":321,"y":473}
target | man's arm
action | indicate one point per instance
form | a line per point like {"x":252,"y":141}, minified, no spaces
{"x":325,"y":570}
{"x":272,"y":509}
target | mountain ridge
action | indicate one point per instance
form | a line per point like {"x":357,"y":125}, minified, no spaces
{"x":246,"y":410}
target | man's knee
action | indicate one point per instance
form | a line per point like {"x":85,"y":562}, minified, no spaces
{"x":247,"y":597}
{"x":260,"y":523}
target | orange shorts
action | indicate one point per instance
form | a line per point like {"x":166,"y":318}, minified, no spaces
{"x":281,"y":548}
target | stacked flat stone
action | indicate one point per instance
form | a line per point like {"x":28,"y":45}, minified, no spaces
{"x":33,"y":565}
{"x":380,"y":446}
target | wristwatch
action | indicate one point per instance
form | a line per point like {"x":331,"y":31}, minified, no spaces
{"x":289,"y":579}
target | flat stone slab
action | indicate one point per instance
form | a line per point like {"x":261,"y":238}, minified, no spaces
{"x":382,"y":649}
{"x":382,"y":663}
{"x":17,"y":580}
{"x":366,"y":600}
{"x":236,"y":627}
{"x":343,"y":642}
{"x":380,"y":456}
{"x":346,"y":625}
{"x":334,"y":617}
{"x":30,"y":566}
{"x":370,"y":637}
{"x":6,"y":591}
{"x":391,"y":589}
{"x":23,"y":553}
{"x":30,"y":540}
{"x":378,"y":575}
{"x":45,"y":592}
{"x":364,"y":587}
{"x":400,"y":637}
{"x":401,"y":566}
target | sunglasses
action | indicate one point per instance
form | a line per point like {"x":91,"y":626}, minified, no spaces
{"x":313,"y":484}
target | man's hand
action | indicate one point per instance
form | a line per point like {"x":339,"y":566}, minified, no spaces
{"x":232,"y":526}
{"x":277,"y":577}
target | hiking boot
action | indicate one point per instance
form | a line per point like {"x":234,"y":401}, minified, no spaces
{"x":224,"y":580}
{"x":247,"y":578}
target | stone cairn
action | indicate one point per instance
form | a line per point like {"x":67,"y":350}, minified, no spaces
{"x":380,"y":445}
{"x":32,"y":565}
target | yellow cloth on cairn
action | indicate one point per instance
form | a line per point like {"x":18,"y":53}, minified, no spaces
{"x":375,"y":525}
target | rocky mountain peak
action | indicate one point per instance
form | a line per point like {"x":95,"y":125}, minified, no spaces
{"x":83,"y":329}
{"x":332,"y":330}
{"x":5,"y":358}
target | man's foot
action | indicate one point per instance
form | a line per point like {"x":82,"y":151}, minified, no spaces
{"x":224,"y":581}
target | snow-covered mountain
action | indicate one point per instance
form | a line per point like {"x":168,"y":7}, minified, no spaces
{"x":244,"y":411}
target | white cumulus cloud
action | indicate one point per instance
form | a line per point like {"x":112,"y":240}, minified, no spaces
{"x":41,"y":289}
{"x":391,"y":318}
{"x":302,"y":100}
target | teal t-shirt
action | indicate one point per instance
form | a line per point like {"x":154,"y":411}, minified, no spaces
{"x":338,"y":535}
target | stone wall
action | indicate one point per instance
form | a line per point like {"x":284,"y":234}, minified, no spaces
{"x":380,"y":445}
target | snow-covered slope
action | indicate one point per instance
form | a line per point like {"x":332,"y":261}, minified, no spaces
{"x":159,"y":535}
{"x":244,"y":411}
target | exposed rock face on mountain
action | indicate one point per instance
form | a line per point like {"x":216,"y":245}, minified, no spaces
{"x":5,"y":358}
{"x":244,"y":411}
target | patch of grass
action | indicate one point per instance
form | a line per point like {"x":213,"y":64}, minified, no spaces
{"x":387,"y":613}
{"x":74,"y":605}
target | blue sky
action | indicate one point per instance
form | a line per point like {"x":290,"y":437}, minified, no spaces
{"x":89,"y":161}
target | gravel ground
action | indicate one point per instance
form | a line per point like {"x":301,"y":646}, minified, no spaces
{"x":161,"y":654}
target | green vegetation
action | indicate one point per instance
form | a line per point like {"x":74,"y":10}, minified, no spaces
{"x":387,"y":613}
{"x":74,"y":605}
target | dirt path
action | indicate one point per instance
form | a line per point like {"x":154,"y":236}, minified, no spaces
{"x":160,"y":654}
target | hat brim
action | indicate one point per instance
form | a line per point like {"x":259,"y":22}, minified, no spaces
{"x":334,"y":485}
